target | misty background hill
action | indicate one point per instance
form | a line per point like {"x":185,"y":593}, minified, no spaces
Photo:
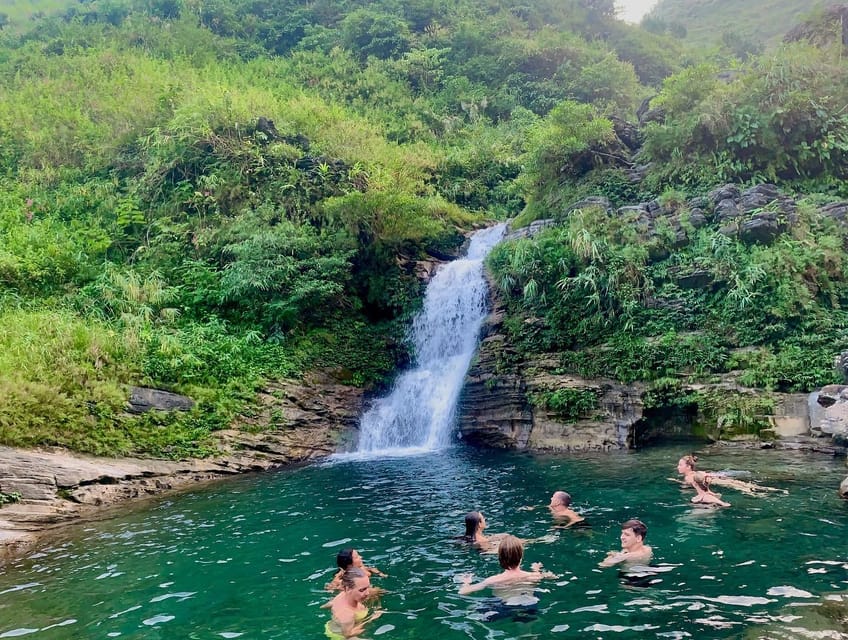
{"x":711,"y":22}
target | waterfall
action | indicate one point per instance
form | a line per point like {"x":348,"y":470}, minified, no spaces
{"x":418,"y":414}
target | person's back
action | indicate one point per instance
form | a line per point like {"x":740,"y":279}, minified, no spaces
{"x":510,"y":554}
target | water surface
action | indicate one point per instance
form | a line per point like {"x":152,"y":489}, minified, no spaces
{"x":248,"y":558}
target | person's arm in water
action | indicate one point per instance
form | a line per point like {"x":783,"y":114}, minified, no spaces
{"x":374,"y":571}
{"x":539,"y":570}
{"x":466,"y":587}
{"x":336,"y":583}
{"x":643,"y":556}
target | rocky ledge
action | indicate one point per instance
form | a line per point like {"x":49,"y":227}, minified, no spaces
{"x":291,"y":422}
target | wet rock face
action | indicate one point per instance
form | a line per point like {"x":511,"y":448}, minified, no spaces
{"x":833,"y":421}
{"x":496,"y":408}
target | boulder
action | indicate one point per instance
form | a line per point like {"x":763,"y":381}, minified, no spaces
{"x":144,"y":399}
{"x":841,"y":364}
{"x":725,"y":192}
{"x":599,"y":202}
{"x":726,"y":209}
{"x":843,"y":489}
{"x":531,"y":230}
{"x":698,"y":279}
{"x":837,"y":211}
{"x":627,"y":132}
{"x":697,"y":218}
{"x":762,"y":229}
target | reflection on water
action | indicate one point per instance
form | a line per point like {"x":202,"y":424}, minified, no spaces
{"x":249,"y":558}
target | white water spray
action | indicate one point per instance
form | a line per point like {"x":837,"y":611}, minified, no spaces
{"x":418,"y":414}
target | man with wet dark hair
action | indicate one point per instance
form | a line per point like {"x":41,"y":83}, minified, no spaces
{"x":560,"y":508}
{"x":633,"y":548}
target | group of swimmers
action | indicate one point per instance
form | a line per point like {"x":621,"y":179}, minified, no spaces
{"x":350,"y":614}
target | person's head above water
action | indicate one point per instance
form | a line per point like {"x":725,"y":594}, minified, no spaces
{"x":510,"y":552}
{"x":474,"y":523}
{"x":687,"y":463}
{"x":355,"y":585}
{"x":560,"y":499}
{"x":633,"y":532}
{"x":347,"y":558}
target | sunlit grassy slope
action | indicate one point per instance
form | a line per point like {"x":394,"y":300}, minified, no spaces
{"x":19,"y":11}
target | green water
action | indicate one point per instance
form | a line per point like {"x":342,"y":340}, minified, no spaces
{"x":248,"y":558}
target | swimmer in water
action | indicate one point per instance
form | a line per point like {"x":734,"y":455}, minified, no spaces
{"x":700,"y":481}
{"x":347,"y":559}
{"x":349,"y":611}
{"x":634,"y":551}
{"x":510,"y":554}
{"x":686,"y":466}
{"x":475,"y":524}
{"x":560,"y":508}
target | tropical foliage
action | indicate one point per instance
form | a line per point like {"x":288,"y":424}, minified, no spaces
{"x":201,"y":195}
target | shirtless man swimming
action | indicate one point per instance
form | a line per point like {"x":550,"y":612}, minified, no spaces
{"x":634,"y":551}
{"x":510,"y":554}
{"x":560,"y":508}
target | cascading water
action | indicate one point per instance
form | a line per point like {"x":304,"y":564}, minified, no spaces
{"x":418,"y":414}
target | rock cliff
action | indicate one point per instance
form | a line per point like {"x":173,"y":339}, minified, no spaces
{"x":534,"y":405}
{"x":291,"y":422}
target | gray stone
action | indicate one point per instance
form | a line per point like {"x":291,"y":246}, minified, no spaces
{"x":592,"y":202}
{"x":725,"y":192}
{"x":531,"y":230}
{"x":726,"y":209}
{"x":652,"y":115}
{"x":700,"y":202}
{"x":829,"y":395}
{"x":762,"y":229}
{"x":697,"y":218}
{"x":636,"y":210}
{"x":841,"y":365}
{"x":144,"y":399}
{"x":699,"y":279}
{"x":836,"y":210}
{"x":843,"y":489}
{"x":729,"y":230}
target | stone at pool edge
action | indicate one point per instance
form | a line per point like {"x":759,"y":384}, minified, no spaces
{"x":144,"y":399}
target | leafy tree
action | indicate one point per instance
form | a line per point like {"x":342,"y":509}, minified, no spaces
{"x":372,"y":33}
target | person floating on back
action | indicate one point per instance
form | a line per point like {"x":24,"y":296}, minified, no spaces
{"x":634,"y":551}
{"x":347,"y":559}
{"x":510,"y":554}
{"x":701,"y":481}
{"x":349,"y":611}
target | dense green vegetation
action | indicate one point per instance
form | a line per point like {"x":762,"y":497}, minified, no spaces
{"x":672,"y":292}
{"x":741,"y":26}
{"x":202,"y":195}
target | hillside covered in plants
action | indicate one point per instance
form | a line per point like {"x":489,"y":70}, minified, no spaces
{"x":710,"y":23}
{"x":203,"y":195}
